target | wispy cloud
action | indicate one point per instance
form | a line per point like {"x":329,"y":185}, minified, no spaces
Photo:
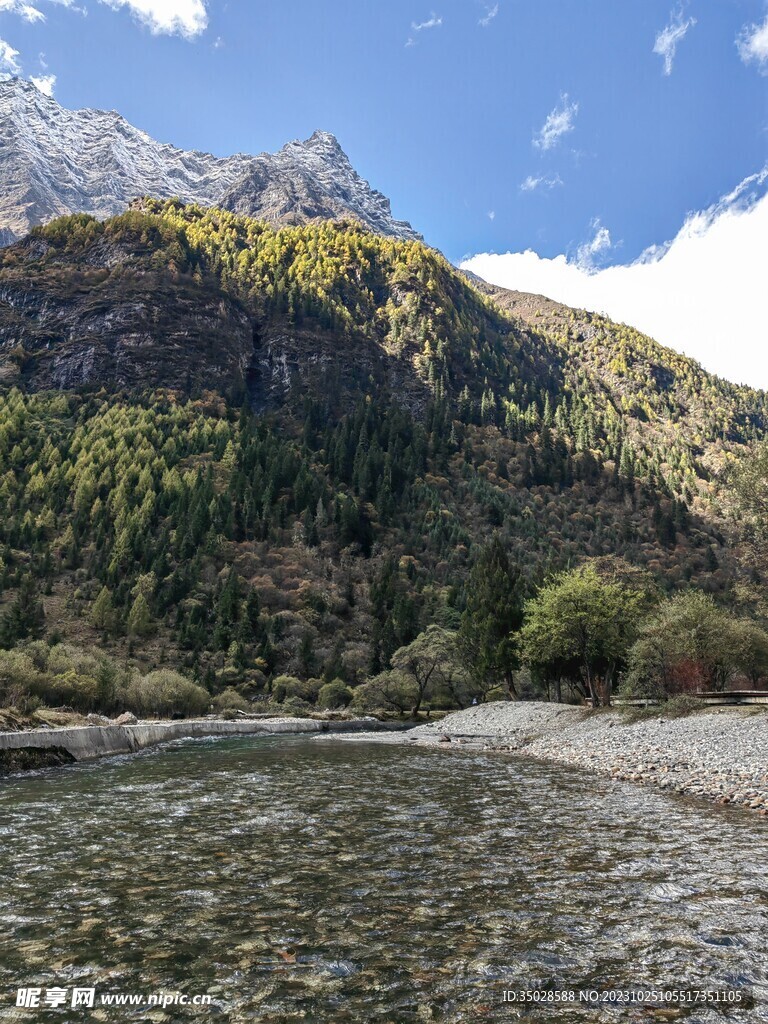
{"x":589,"y":253}
{"x":9,"y":60}
{"x":670,"y":37}
{"x":753,"y":45}
{"x":490,"y":14}
{"x":491,"y":215}
{"x":434,"y":21}
{"x":10,"y":63}
{"x":534,"y":182}
{"x":45,"y":83}
{"x":704,"y":286}
{"x":558,"y":123}
{"x":26,"y":10}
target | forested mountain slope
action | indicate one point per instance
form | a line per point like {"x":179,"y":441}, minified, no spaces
{"x":656,"y":385}
{"x":250,"y":451}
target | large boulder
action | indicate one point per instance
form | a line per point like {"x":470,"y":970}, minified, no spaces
{"x":98,"y":720}
{"x":127,"y":718}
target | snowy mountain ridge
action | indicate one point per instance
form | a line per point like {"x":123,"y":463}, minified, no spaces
{"x":55,"y":161}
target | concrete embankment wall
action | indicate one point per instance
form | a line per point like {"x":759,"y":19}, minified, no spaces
{"x":92,"y":741}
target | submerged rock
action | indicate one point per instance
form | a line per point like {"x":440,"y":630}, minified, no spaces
{"x":25,"y":759}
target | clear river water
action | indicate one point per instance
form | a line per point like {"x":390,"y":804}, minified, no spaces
{"x":295,"y":879}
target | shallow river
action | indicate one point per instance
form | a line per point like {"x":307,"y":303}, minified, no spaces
{"x":330,"y":881}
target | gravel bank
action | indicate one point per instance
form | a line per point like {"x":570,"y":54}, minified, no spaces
{"x":720,"y":754}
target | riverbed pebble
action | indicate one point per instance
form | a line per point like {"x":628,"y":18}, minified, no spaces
{"x":720,"y":754}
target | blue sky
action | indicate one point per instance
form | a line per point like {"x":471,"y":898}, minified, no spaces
{"x":582,"y":129}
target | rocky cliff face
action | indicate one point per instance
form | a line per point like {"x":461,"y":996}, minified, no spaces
{"x":55,"y":161}
{"x":65,"y":327}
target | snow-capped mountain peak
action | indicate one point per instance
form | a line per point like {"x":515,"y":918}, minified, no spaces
{"x":55,"y":161}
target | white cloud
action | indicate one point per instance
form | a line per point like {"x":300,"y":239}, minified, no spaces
{"x":183,"y":17}
{"x":753,"y":45}
{"x":533,"y":182}
{"x":491,"y":215}
{"x":44,"y":83}
{"x":559,"y":122}
{"x":186,"y":17}
{"x":668,"y":39}
{"x":703,"y":293}
{"x":9,"y":63}
{"x":490,"y":14}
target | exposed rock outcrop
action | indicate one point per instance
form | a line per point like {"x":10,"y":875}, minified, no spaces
{"x":312,"y":180}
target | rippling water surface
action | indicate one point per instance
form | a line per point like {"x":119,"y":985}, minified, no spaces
{"x":329,"y":881}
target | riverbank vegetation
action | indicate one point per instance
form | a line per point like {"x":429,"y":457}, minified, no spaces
{"x":585,"y":631}
{"x":38,"y":674}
